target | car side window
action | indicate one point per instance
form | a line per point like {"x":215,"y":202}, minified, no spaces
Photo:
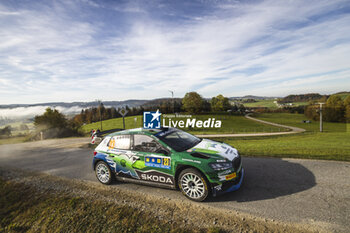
{"x":145,"y":143}
{"x":120,"y":142}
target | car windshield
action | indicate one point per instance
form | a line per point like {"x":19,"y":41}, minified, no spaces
{"x":178,"y":139}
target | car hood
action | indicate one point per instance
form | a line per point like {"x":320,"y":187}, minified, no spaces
{"x":215,"y":148}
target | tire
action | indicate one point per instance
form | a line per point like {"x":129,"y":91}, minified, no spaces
{"x":193,"y":185}
{"x":103,"y":173}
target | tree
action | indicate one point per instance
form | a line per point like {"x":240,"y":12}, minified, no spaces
{"x":114,"y":113}
{"x":206,"y":106}
{"x":192,"y":102}
{"x":54,"y":124}
{"x":23,"y":127}
{"x":334,"y":111}
{"x":311,"y":112}
{"x":347,"y":108}
{"x":220,"y":103}
{"x":78,"y":119}
{"x":6,"y":131}
{"x":50,"y":119}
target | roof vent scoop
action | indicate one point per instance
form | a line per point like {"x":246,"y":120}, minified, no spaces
{"x":200,"y":155}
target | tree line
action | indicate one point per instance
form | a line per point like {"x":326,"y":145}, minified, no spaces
{"x":303,"y":98}
{"x":334,"y":110}
{"x":53,"y":124}
{"x":191,"y":103}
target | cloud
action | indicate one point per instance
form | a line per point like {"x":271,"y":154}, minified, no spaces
{"x":66,"y":51}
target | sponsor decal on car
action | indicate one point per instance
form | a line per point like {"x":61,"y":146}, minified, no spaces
{"x":157,"y":161}
{"x":224,"y":172}
{"x":191,"y":160}
{"x":157,"y":177}
{"x":231,"y":176}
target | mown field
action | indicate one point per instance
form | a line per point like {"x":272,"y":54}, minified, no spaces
{"x":297,"y":121}
{"x":262,"y":103}
{"x":230,"y":124}
{"x":333,"y":144}
{"x":270,"y":104}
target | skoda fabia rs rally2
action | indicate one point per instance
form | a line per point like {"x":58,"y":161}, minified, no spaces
{"x":169,"y":157}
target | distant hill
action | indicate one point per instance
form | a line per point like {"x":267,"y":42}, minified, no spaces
{"x":303,"y":98}
{"x":130,"y":103}
{"x":157,"y":102}
{"x":254,"y":97}
{"x":22,"y":112}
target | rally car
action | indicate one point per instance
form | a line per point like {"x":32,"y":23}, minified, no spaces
{"x":169,"y":157}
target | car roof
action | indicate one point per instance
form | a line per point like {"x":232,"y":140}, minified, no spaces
{"x":139,"y":130}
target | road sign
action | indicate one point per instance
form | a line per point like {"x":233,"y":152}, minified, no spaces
{"x":123,"y":112}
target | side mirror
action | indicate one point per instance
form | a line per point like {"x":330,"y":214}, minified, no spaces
{"x":163,"y":151}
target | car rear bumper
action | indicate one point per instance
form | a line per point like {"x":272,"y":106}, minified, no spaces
{"x":229,"y":186}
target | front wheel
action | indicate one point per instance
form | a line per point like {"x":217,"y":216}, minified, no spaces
{"x":193,"y":185}
{"x":103,"y":173}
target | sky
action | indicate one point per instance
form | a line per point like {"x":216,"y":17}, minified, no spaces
{"x":83,"y":50}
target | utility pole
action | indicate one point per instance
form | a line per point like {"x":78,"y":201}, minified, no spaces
{"x":99,"y":107}
{"x":172,"y":97}
{"x":321,"y":122}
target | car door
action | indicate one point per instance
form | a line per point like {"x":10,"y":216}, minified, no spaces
{"x":153,"y":161}
{"x":120,"y":157}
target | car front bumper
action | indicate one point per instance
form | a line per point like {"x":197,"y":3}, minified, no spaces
{"x":229,"y":186}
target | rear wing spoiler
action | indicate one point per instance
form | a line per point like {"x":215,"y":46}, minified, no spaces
{"x":99,"y":135}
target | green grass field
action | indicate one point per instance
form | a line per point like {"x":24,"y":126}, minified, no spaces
{"x":269,"y":103}
{"x":130,"y":122}
{"x":230,"y":124}
{"x":262,"y":103}
{"x":328,"y":146}
{"x":296,"y":120}
{"x":333,"y":144}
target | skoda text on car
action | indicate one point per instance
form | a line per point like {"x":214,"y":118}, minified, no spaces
{"x":169,"y":157}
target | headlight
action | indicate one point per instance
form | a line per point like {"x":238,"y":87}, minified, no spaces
{"x":220,"y":166}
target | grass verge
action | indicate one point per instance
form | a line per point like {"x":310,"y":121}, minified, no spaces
{"x":327,"y":146}
{"x":36,"y":202}
{"x":23,"y":208}
{"x":12,"y":140}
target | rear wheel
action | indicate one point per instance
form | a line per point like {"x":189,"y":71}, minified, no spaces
{"x":193,"y":185}
{"x":103,"y":173}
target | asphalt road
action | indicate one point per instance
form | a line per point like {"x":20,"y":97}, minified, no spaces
{"x":290,"y":190}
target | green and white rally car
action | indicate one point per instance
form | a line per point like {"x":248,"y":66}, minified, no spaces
{"x":169,"y":157}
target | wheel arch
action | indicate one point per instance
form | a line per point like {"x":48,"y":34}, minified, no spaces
{"x":96,"y":160}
